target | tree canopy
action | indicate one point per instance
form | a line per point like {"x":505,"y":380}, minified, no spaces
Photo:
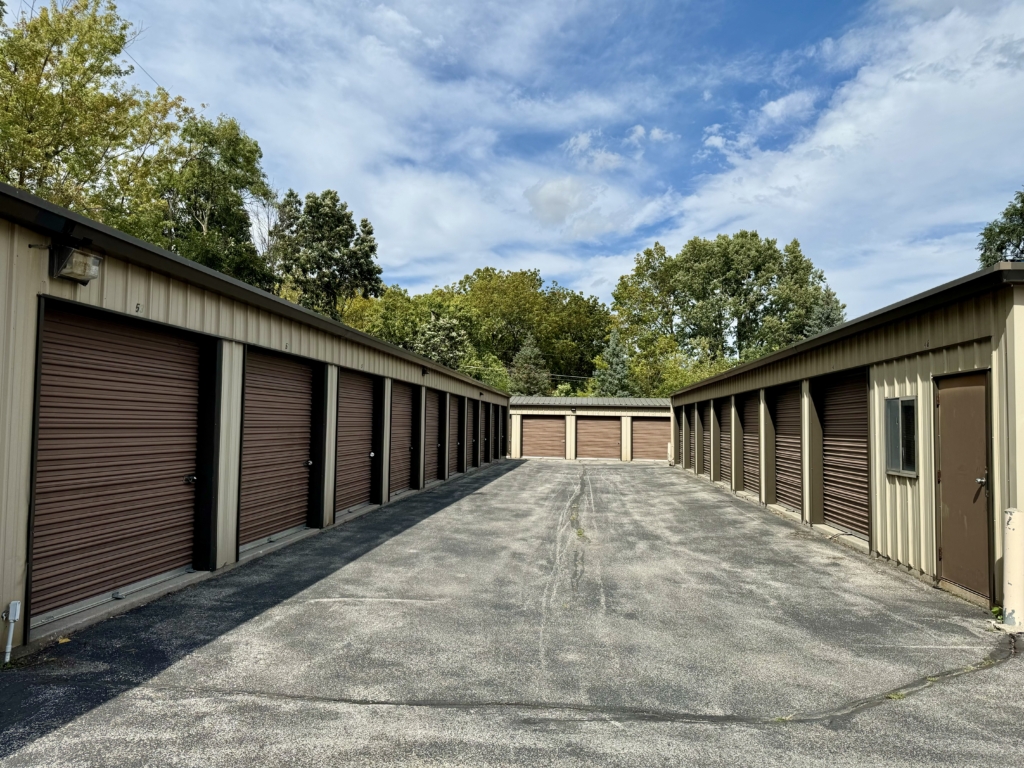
{"x":1003,"y":239}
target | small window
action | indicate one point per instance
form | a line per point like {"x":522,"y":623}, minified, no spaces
{"x":901,"y":436}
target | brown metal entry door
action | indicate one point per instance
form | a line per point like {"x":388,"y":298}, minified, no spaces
{"x":403,"y":448}
{"x":277,"y":428}
{"x":705,"y":421}
{"x":454,"y":436}
{"x":749,"y":412}
{"x":433,"y":469}
{"x":724,"y":415}
{"x":598,"y":437}
{"x":544,"y":436}
{"x":785,"y":404}
{"x":843,"y":404}
{"x":356,"y":410}
{"x":651,"y":438}
{"x":118,"y":417}
{"x":963,"y":500}
{"x":472,"y":435}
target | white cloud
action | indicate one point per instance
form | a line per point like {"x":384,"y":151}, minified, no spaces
{"x":658,"y":135}
{"x":636,"y":135}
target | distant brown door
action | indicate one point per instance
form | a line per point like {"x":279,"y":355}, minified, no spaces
{"x":403,"y":438}
{"x":750,"y":416}
{"x":472,"y":435}
{"x":433,"y":440}
{"x":357,"y":404}
{"x":455,"y":437}
{"x":544,"y":436}
{"x":723,"y":413}
{"x":785,"y":412}
{"x":842,"y":402}
{"x":963,"y":500}
{"x":705,"y":422}
{"x":691,"y":417}
{"x":651,"y":438}
{"x":598,"y":438}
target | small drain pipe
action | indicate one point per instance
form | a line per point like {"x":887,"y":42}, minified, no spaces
{"x":11,"y":616}
{"x":1013,"y":568}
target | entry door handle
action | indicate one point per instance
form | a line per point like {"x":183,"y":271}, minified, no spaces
{"x":981,"y":480}
{"x":190,"y":479}
{"x":308,"y":463}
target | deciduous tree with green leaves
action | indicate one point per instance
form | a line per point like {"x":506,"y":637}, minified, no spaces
{"x":1003,"y":239}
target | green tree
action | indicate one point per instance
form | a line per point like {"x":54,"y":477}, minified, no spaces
{"x":443,"y":340}
{"x":1003,"y":239}
{"x":324,"y":255}
{"x":529,"y":374}
{"x":393,"y":316}
{"x":571,"y":331}
{"x":487,"y":368}
{"x":505,"y":307}
{"x":611,"y":379}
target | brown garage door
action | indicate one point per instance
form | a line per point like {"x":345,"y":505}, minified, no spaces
{"x":723,"y":412}
{"x":504,"y":431}
{"x":544,"y":436}
{"x":691,"y":415}
{"x":705,"y":421}
{"x":651,"y":438}
{"x":472,"y":434}
{"x":356,"y":416}
{"x":495,"y":431}
{"x":749,"y":413}
{"x":785,"y":404}
{"x":433,"y":442}
{"x":276,"y":439}
{"x":118,"y":416}
{"x":843,"y":404}
{"x":486,"y":426}
{"x":598,"y":437}
{"x":454,"y":437}
{"x":403,"y":445}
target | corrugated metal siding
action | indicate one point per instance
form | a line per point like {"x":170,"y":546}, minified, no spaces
{"x":118,"y":424}
{"x":843,"y":404}
{"x":724,"y":415}
{"x":785,"y":408}
{"x":277,"y":434}
{"x":705,"y":419}
{"x":651,"y":438}
{"x":749,"y":411}
{"x":454,"y":438}
{"x":403,"y":445}
{"x":544,"y":436}
{"x":433,"y":440}
{"x":357,"y":406}
{"x":598,"y":438}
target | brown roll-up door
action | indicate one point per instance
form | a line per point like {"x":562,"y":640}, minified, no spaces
{"x":433,"y":440}
{"x":495,"y":431}
{"x":118,"y":427}
{"x":691,"y":415}
{"x":843,"y":404}
{"x":472,"y":434}
{"x":487,"y":421}
{"x":504,"y":431}
{"x":544,"y":436}
{"x":723,"y":410}
{"x":785,"y":403}
{"x":749,"y":412}
{"x":357,"y":407}
{"x":454,"y":438}
{"x":276,"y":439}
{"x":651,"y":438}
{"x":403,"y":448}
{"x":705,"y":422}
{"x":598,"y":437}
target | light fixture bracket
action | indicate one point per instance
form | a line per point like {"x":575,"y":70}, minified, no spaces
{"x":71,"y":263}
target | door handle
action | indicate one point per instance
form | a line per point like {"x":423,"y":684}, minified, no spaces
{"x":190,"y":479}
{"x":308,"y":463}
{"x":981,"y":480}
{"x":371,"y":454}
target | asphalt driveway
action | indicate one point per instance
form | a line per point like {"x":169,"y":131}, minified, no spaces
{"x":535,"y":613}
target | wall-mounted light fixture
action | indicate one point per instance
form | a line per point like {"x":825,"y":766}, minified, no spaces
{"x":423,"y":370}
{"x":73,"y":264}
{"x":573,"y":410}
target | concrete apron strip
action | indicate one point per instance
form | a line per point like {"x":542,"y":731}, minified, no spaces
{"x":582,"y":713}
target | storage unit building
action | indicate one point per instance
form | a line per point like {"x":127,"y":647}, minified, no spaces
{"x":895,"y":431}
{"x":159,"y":418}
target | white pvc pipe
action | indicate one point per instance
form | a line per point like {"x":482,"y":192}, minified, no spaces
{"x":10,"y":642}
{"x":1013,"y":567}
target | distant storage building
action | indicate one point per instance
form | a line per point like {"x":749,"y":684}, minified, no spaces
{"x":616,"y":428}
{"x":897,"y":430}
{"x":158,"y":418}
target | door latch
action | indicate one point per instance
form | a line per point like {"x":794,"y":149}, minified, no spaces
{"x":309,"y":462}
{"x":190,"y":479}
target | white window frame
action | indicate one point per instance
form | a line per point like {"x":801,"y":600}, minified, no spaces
{"x":900,"y":447}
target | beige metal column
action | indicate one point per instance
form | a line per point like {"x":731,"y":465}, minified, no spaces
{"x":626,"y":438}
{"x":330,"y":445}
{"x":232,"y":356}
{"x":570,"y":437}
{"x":767,"y":451}
{"x":810,"y":455}
{"x":515,"y":446}
{"x":736,"y":444}
{"x":716,"y":438}
{"x":385,"y":447}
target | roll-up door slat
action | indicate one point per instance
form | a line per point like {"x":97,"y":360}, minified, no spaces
{"x":691,"y":410}
{"x":724,"y":415}
{"x":434,"y":438}
{"x":651,"y":438}
{"x":454,"y":438}
{"x":485,"y":431}
{"x":705,"y":420}
{"x":750,"y":413}
{"x":788,"y":469}
{"x":544,"y":436}
{"x":843,"y":403}
{"x":473,"y":435}
{"x":118,"y":427}
{"x":357,"y":407}
{"x":598,"y":438}
{"x":402,"y":438}
{"x":277,"y":430}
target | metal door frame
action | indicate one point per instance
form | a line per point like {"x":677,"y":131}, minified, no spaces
{"x":937,"y":511}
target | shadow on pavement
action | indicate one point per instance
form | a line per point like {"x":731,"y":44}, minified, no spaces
{"x":64,"y":681}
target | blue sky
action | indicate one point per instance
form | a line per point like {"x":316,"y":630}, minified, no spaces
{"x":568,"y":136}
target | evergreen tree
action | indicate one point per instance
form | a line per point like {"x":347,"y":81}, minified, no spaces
{"x":1003,"y":239}
{"x":529,"y":375}
{"x":611,"y":379}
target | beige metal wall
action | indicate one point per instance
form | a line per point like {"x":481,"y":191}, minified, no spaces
{"x":131,"y":290}
{"x":230,"y":451}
